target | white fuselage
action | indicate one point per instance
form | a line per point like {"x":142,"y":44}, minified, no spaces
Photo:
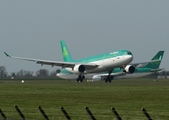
{"x":108,"y":64}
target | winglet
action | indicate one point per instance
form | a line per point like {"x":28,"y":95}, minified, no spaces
{"x":7,"y":54}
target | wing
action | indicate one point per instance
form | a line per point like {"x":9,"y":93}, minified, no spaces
{"x":55,"y":63}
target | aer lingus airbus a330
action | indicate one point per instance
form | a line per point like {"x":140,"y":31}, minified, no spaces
{"x":95,"y":64}
{"x":140,"y":71}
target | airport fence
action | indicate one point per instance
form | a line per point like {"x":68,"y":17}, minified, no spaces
{"x":67,"y":115}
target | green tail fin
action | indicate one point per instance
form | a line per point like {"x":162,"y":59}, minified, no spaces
{"x":65,"y":52}
{"x":155,"y":65}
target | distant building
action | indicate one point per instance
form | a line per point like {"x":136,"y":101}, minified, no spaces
{"x":161,"y":77}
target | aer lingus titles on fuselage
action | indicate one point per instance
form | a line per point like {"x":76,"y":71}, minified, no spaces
{"x":94,"y":64}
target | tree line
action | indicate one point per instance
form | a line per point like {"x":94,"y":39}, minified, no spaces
{"x":26,"y":74}
{"x":43,"y":73}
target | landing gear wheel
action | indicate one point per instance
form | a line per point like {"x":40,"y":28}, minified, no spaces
{"x":77,"y":80}
{"x":109,"y":79}
{"x":80,"y":78}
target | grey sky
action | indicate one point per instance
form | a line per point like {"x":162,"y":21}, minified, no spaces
{"x":34,"y":28}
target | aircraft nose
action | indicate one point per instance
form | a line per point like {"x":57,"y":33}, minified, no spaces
{"x":130,"y":57}
{"x":59,"y":75}
{"x":58,"y":72}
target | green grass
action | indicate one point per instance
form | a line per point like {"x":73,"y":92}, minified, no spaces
{"x":126,"y":96}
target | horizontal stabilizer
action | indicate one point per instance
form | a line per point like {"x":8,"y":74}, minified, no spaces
{"x":156,"y":70}
{"x":141,"y":64}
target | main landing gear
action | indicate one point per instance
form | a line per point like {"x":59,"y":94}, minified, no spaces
{"x":109,"y":78}
{"x":80,"y":78}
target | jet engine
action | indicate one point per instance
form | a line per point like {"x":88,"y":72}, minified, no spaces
{"x":79,"y":68}
{"x":129,"y":69}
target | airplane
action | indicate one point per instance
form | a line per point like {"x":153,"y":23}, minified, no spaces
{"x":94,"y":64}
{"x":141,"y":71}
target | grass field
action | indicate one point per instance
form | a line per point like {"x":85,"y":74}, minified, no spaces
{"x":126,"y":96}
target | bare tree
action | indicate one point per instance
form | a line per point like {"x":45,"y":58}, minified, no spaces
{"x":24,"y":73}
{"x":28,"y":73}
{"x":13,"y":74}
{"x":42,"y":73}
{"x":20,"y":73}
{"x":53,"y":74}
{"x":3,"y":72}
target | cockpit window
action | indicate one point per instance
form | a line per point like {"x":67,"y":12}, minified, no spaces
{"x":127,"y":53}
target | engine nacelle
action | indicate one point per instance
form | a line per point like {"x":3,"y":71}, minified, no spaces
{"x":79,"y":69}
{"x":129,"y":69}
